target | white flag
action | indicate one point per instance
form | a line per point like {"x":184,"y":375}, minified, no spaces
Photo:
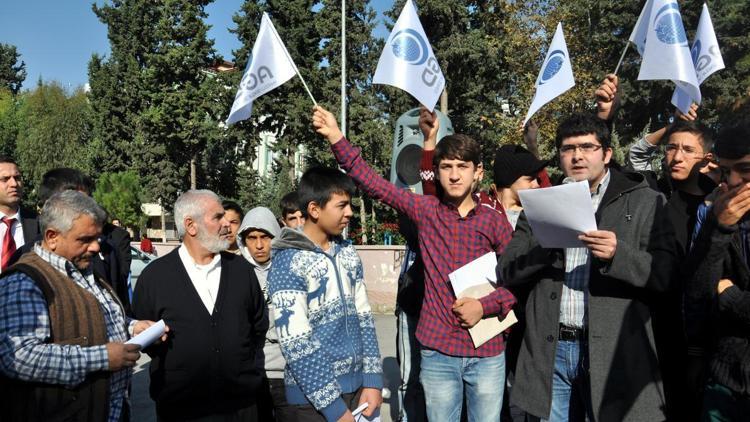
{"x":638,"y":36}
{"x":667,"y":56}
{"x":407,"y":61}
{"x":706,"y":58}
{"x":269,"y":67}
{"x":556,"y":75}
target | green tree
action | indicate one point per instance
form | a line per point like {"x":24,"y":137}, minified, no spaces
{"x":365,"y":125}
{"x":9,"y":122}
{"x":54,"y":132}
{"x":284,"y":111}
{"x":159,"y":106}
{"x":12,"y":72}
{"x":120,"y":195}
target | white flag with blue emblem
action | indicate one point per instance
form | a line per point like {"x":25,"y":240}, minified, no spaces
{"x":556,"y":75}
{"x":269,"y":67}
{"x":407,"y":61}
{"x":706,"y":59}
{"x":640,"y":31}
{"x":666,"y":55}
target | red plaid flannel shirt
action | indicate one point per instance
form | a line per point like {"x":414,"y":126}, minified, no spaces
{"x":448,"y":242}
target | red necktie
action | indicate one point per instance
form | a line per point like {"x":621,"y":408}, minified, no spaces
{"x":9,"y":244}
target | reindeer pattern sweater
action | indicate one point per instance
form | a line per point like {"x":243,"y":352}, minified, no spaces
{"x":324,"y":322}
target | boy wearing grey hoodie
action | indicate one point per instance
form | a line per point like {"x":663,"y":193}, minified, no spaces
{"x":254,"y":237}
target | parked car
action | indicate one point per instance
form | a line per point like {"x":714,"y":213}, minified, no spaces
{"x":139,"y":260}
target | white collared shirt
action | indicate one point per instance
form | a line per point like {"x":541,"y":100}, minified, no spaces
{"x":205,"y":278}
{"x":16,"y":230}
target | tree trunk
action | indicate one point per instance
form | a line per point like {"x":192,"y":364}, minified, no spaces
{"x":163,"y":223}
{"x":193,"y":173}
{"x":363,"y":219}
{"x":444,"y":101}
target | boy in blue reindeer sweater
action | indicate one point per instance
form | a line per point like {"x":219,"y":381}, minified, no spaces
{"x":323,"y":318}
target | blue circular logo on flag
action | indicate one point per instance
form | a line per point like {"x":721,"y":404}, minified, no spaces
{"x":553,"y":66}
{"x":695,"y":52}
{"x":409,"y":46}
{"x":668,"y":25}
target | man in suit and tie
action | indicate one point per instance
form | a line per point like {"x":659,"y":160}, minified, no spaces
{"x":18,"y":225}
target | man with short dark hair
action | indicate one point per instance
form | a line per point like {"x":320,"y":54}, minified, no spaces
{"x":233,"y":214}
{"x":588,"y":351}
{"x":453,"y":230}
{"x":18,"y":225}
{"x":63,"y":329}
{"x":717,"y":308}
{"x":291,"y":215}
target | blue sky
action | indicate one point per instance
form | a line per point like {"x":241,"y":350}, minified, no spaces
{"x":57,"y":38}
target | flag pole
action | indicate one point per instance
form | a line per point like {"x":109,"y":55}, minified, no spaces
{"x":625,"y":50}
{"x":294,"y":65}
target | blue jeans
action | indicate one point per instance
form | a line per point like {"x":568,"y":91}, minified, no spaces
{"x":410,"y":394}
{"x":571,"y":391}
{"x":444,"y":379}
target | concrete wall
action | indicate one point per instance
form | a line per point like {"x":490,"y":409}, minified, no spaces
{"x":382,"y":265}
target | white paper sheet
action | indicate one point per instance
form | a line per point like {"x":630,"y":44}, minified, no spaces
{"x":557,"y":215}
{"x":476,"y":280}
{"x":149,"y":335}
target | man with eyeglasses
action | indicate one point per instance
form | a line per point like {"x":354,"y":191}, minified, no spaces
{"x":588,"y":349}
{"x":687,"y":170}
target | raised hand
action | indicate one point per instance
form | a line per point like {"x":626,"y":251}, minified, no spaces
{"x":429,"y":124}
{"x":606,"y":97}
{"x":325,"y":124}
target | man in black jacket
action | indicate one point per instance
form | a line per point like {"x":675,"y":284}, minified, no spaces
{"x":213,"y":304}
{"x":718,"y":295}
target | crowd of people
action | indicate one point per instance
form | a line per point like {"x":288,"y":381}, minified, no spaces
{"x":267,"y":319}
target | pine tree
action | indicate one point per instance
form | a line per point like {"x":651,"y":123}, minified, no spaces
{"x":12,"y":73}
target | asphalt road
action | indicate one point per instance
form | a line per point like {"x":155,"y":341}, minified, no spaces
{"x":385,"y":325}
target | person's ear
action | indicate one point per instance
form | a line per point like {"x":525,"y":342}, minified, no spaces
{"x":479,"y":172}
{"x":313,"y":210}
{"x":607,"y":155}
{"x":52,"y":238}
{"x":191,"y":226}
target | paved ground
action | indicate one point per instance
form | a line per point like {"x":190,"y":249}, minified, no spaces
{"x":143,"y":407}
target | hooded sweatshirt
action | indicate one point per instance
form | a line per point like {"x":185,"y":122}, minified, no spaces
{"x":261,"y":218}
{"x":324,"y":322}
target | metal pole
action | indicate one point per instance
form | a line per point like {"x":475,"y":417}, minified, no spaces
{"x":343,"y":67}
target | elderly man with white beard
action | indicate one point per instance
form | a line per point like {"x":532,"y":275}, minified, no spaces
{"x":213,"y":304}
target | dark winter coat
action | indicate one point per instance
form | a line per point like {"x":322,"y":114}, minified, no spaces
{"x":624,"y":370}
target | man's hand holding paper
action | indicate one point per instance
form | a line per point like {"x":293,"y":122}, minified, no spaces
{"x":601,"y":243}
{"x":560,"y":215}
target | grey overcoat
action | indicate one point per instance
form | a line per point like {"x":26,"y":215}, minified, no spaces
{"x":624,"y":370}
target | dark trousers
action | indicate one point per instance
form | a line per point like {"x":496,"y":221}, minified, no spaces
{"x":246,"y":414}
{"x":721,"y":404}
{"x":272,"y":404}
{"x":307,"y":413}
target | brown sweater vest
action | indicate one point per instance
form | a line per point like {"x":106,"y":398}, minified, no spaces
{"x":75,"y":319}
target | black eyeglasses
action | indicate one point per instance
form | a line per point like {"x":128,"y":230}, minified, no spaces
{"x":586,"y":148}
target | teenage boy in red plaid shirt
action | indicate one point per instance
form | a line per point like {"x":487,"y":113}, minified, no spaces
{"x":453,"y":231}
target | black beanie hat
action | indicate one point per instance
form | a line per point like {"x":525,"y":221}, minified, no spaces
{"x":512,"y":162}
